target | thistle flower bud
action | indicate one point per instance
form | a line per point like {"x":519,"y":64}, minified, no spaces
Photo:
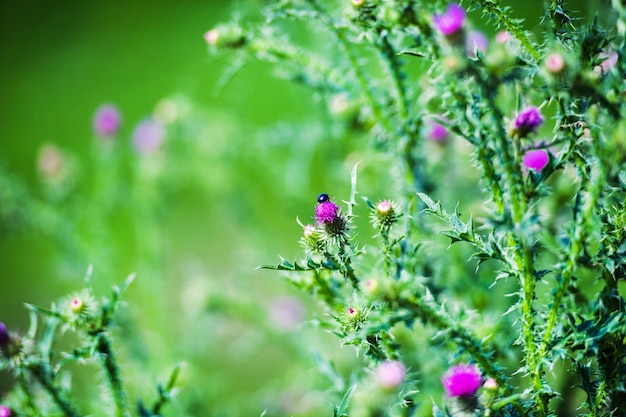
{"x":77,"y":305}
{"x":357,"y":3}
{"x":555,"y":63}
{"x":390,"y":374}
{"x":476,"y":42}
{"x":450,"y":24}
{"x":490,"y":385}
{"x":5,"y":411}
{"x":230,"y":36}
{"x":437,"y":132}
{"x":526,"y":122}
{"x":385,"y":214}
{"x":311,"y":239}
{"x":354,"y":317}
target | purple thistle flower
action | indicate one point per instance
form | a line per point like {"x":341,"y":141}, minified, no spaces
{"x":326,"y":212}
{"x":148,"y":136}
{"x":5,"y":339}
{"x":390,"y":374}
{"x":535,"y":159}
{"x":451,"y":21}
{"x":462,"y":380}
{"x":107,"y":120}
{"x":527,"y":121}
{"x":437,"y":133}
{"x":5,"y":411}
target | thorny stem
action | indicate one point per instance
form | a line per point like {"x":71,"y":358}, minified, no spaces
{"x":354,"y":63}
{"x":495,"y":8}
{"x":43,"y":375}
{"x":112,"y":373}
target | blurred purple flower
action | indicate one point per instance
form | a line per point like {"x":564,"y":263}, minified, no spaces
{"x":326,"y":212}
{"x":286,"y":313}
{"x":390,"y":374}
{"x":536,"y":159}
{"x":462,"y":380}
{"x":5,"y":411}
{"x":107,"y":120}
{"x":148,"y":136}
{"x":451,"y":21}
{"x":437,"y":132}
{"x":527,"y":121}
{"x":476,"y":42}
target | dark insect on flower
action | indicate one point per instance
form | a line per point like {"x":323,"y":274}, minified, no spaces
{"x":322,"y":198}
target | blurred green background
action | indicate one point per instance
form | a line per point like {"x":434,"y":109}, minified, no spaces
{"x":239,"y":165}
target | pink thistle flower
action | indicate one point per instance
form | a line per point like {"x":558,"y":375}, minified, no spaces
{"x":326,"y":212}
{"x":148,"y":136}
{"x":451,"y":21}
{"x":107,"y":120}
{"x":390,"y":374}
{"x":5,"y":411}
{"x":437,"y":133}
{"x":462,"y":380}
{"x":535,"y":159}
{"x":527,"y":121}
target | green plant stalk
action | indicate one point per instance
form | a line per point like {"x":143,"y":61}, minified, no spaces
{"x":42,"y":374}
{"x":283,"y":52}
{"x":112,"y":373}
{"x":352,"y":59}
{"x":394,"y":67}
{"x":494,"y":7}
{"x":460,"y":334}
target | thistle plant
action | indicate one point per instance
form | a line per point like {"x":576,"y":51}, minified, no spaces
{"x":42,"y":366}
{"x":533,"y":323}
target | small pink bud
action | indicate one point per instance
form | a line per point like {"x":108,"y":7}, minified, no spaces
{"x":212,"y":36}
{"x":490,"y":384}
{"x":555,"y":63}
{"x":476,"y":42}
{"x":503,"y":37}
{"x":77,"y":304}
{"x":390,"y":374}
{"x":148,"y":136}
{"x":437,"y":133}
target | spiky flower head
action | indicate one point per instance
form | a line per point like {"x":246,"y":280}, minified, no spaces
{"x":385,"y":214}
{"x":354,"y":317}
{"x":526,"y":122}
{"x":5,"y":411}
{"x":536,"y":159}
{"x":451,"y":22}
{"x":390,"y":374}
{"x":329,"y":218}
{"x":81,"y":309}
{"x":311,"y":239}
{"x":462,"y":380}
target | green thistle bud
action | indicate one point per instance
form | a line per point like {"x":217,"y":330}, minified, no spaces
{"x":312,"y":240}
{"x":230,"y":36}
{"x":80,"y":308}
{"x":354,"y":317}
{"x":385,"y":214}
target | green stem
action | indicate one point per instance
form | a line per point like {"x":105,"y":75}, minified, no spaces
{"x":112,"y":373}
{"x":42,"y":374}
{"x":495,"y":8}
{"x":356,"y":67}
